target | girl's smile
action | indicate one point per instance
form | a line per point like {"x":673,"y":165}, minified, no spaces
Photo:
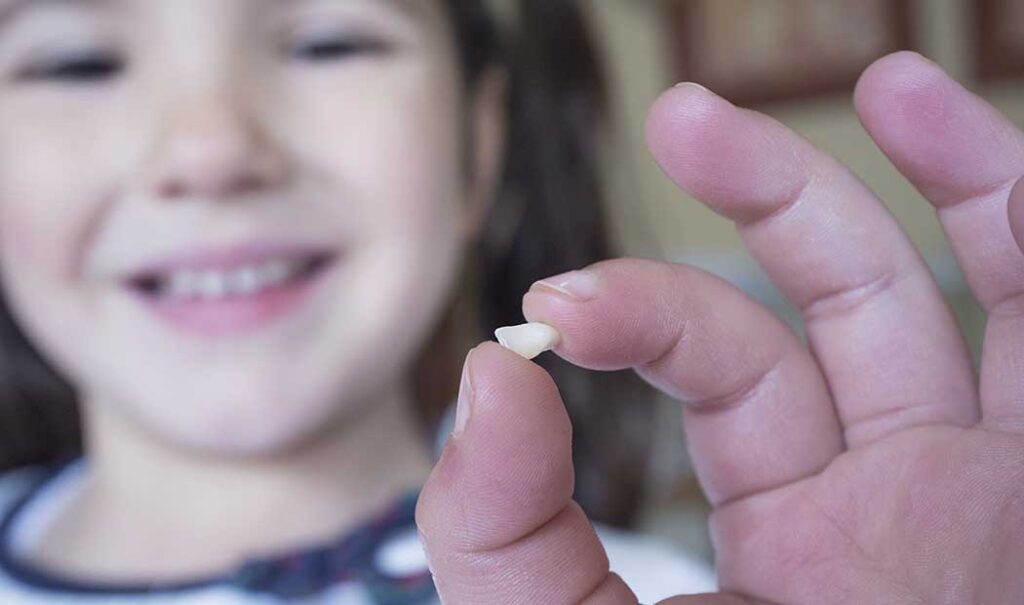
{"x":221,"y":291}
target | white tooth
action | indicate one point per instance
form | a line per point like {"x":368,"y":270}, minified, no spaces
{"x":182,"y":285}
{"x":529,"y":340}
{"x":245,"y":281}
{"x":276,"y":271}
{"x":212,"y":284}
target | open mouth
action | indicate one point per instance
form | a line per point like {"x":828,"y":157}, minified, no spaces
{"x":243,"y":280}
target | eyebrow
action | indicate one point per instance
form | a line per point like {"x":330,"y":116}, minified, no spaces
{"x":416,"y":8}
{"x":10,"y":9}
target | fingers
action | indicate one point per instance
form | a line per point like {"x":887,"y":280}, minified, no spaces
{"x":961,"y":153}
{"x":1003,"y":354}
{"x":759,"y":413}
{"x":964,"y":156}
{"x":496,"y":516}
{"x":886,"y":340}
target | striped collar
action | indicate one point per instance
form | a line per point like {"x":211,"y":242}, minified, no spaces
{"x":382,"y":555}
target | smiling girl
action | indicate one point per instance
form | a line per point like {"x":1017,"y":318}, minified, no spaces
{"x":236,"y":230}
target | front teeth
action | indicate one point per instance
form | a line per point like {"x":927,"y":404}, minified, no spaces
{"x":247,"y":280}
{"x":213,"y":284}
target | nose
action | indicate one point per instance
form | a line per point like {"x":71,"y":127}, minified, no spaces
{"x":211,"y":148}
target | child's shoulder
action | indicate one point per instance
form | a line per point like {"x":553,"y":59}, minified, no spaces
{"x":653,"y":568}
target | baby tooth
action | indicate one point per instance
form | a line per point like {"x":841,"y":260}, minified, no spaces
{"x":182,"y":285}
{"x":245,"y":281}
{"x":212,"y":285}
{"x":528,"y":340}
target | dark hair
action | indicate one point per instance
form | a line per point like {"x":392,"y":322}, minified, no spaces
{"x":548,"y":220}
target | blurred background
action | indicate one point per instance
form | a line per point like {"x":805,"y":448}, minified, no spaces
{"x":798,"y":61}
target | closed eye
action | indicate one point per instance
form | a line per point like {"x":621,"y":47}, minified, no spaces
{"x":336,"y":48}
{"x":81,"y":68}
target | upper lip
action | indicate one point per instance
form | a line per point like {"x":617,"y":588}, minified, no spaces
{"x":228,"y":257}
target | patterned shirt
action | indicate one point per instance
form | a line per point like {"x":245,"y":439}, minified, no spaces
{"x":379,"y":563}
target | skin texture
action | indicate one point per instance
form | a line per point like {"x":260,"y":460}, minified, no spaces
{"x":211,"y":123}
{"x":872,"y":466}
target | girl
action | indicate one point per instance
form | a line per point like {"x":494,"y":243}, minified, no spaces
{"x":232,"y":228}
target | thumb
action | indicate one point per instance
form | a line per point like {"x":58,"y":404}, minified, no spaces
{"x":496,"y":516}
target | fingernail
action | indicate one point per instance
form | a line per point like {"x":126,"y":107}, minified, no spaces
{"x":693,"y":85}
{"x":579,"y":286}
{"x":464,"y":407}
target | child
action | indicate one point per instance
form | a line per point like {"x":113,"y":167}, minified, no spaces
{"x":237,"y":230}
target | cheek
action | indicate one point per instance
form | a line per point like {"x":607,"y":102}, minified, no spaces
{"x":37,"y":233}
{"x":390,"y":153}
{"x":390,"y":140}
{"x":20,"y":243}
{"x":391,"y":145}
{"x":37,"y":244}
{"x":30,"y":218}
{"x":51,"y":186}
{"x":52,"y":193}
{"x":419,"y":210}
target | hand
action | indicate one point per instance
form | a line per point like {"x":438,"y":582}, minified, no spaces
{"x":874,"y":468}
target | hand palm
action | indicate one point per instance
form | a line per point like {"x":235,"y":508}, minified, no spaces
{"x":906,"y":520}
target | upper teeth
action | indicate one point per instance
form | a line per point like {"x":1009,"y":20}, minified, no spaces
{"x":211,"y":284}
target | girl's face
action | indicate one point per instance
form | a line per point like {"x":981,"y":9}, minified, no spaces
{"x":233,"y":221}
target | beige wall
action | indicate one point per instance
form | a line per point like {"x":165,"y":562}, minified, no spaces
{"x":653,"y":218}
{"x":634,"y":37}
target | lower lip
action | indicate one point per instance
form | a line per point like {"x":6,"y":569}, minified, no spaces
{"x":235,"y":315}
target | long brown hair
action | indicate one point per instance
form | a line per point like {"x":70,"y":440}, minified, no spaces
{"x":548,"y":219}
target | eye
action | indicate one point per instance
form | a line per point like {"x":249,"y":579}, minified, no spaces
{"x":75,"y":68}
{"x":330,"y":48}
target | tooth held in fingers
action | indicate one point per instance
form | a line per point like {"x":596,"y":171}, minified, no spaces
{"x":528,"y":340}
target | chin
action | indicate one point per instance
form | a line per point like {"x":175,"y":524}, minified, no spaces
{"x":250,"y":430}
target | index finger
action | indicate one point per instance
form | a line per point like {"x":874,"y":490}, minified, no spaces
{"x":759,"y":416}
